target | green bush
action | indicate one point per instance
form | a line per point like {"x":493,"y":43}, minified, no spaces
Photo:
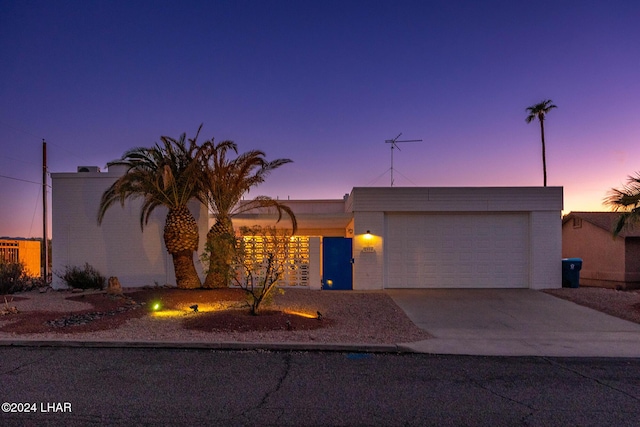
{"x":13,"y":277}
{"x":83,"y":278}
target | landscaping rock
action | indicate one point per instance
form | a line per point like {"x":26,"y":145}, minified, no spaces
{"x":84,"y":318}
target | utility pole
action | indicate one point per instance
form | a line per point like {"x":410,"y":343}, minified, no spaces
{"x":45,"y":241}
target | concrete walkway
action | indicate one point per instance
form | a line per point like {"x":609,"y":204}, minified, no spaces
{"x":513,"y":322}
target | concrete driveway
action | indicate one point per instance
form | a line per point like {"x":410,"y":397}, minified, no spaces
{"x":513,"y":322}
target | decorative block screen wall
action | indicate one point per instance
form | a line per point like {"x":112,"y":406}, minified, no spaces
{"x":295,"y":258}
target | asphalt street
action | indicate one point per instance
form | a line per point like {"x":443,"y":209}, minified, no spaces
{"x":120,"y":386}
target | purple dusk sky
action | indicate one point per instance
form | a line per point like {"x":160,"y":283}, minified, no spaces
{"x":325,"y":83}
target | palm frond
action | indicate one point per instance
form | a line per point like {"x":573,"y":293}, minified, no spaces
{"x":626,"y":201}
{"x":539,"y":110}
{"x":226,"y":180}
{"x":264,"y":202}
{"x":627,"y":198}
{"x":163,"y":175}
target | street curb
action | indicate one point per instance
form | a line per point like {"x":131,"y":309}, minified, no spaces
{"x":222,"y":346}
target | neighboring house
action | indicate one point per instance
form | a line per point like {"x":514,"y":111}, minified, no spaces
{"x":373,"y":238}
{"x":607,"y":261}
{"x":24,"y":251}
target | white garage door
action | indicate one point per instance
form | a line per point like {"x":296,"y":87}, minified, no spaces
{"x":457,"y":251}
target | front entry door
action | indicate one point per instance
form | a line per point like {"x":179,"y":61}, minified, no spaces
{"x":337,"y":268}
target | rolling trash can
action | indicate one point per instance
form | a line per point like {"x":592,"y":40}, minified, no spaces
{"x":571,"y":272}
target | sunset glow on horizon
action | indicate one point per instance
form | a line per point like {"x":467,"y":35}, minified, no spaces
{"x":325,"y":84}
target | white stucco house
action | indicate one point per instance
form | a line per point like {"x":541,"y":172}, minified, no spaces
{"x":373,"y":238}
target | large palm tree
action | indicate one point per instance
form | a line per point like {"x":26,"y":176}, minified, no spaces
{"x":539,"y":111}
{"x":164,"y":175}
{"x":626,"y":201}
{"x":225,"y":181}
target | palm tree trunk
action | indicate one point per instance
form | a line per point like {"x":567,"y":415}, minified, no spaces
{"x":544,"y":156}
{"x":221,"y":247}
{"x":181,"y":239}
{"x":186,"y":274}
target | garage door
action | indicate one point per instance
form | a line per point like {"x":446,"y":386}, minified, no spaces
{"x":457,"y":251}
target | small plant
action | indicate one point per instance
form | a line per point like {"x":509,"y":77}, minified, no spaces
{"x":13,"y":277}
{"x":260,"y":261}
{"x":8,"y":309}
{"x":82,"y":278}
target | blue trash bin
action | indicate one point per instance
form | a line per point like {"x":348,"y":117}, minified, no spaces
{"x":571,"y":272}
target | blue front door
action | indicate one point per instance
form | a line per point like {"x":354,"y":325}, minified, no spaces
{"x":336,"y":263}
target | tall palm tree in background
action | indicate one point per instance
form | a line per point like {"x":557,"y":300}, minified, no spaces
{"x":164,"y":175}
{"x":225,"y":181}
{"x":627,"y":202}
{"x":539,"y":111}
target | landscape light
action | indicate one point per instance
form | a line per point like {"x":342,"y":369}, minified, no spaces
{"x":156,"y":306}
{"x":301,"y":314}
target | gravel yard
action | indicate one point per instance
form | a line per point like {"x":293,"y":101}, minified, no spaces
{"x":346,"y":317}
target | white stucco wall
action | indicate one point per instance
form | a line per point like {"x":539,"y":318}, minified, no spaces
{"x":315,"y":274}
{"x":368,"y":250}
{"x":542,"y":205}
{"x":117,"y":248}
{"x":545,"y":270}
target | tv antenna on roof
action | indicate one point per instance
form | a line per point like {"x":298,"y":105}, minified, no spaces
{"x":394,"y":144}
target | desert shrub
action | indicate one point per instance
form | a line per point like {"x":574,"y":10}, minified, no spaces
{"x":13,"y":277}
{"x":86,"y":277}
{"x":258,"y":275}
